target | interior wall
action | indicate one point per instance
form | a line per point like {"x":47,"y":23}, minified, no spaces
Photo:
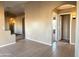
{"x":2,"y":21}
{"x":5,"y":37}
{"x":18,"y":25}
{"x":73,"y":30}
{"x":73,"y":26}
{"x":7,"y":23}
{"x":77,"y":32}
{"x":38,"y":20}
{"x":54,"y":15}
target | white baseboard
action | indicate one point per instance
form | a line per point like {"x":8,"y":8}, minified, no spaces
{"x":40,"y":42}
{"x":7,"y":44}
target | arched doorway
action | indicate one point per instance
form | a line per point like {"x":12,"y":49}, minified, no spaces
{"x":61,"y":31}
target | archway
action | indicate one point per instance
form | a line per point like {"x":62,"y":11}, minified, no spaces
{"x":58,"y":13}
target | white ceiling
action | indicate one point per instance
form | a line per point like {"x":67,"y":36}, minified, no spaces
{"x":15,"y":7}
{"x":66,"y":6}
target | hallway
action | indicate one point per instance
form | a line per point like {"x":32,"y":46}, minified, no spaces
{"x":27,"y":48}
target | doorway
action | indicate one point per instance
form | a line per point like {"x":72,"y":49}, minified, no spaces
{"x":21,"y":27}
{"x":65,"y":28}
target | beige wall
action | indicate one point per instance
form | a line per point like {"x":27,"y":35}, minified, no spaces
{"x":7,"y":23}
{"x":2,"y":24}
{"x":77,"y":33}
{"x":73,"y":31}
{"x":38,"y":20}
{"x":18,"y":24}
{"x":5,"y":36}
{"x":73,"y":26}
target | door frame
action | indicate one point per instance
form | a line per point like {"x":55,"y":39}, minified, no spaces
{"x":23,"y":26}
{"x":59,"y":25}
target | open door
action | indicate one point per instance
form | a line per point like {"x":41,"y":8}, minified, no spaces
{"x":65,"y":28}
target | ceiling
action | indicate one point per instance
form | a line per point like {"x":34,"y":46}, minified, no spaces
{"x":15,"y":7}
{"x":66,"y":6}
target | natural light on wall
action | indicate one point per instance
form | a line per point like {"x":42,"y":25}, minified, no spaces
{"x":35,"y":25}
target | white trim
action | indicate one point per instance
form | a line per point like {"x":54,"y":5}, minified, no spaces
{"x":64,"y":13}
{"x":7,"y":44}
{"x":71,"y":29}
{"x":40,"y":42}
